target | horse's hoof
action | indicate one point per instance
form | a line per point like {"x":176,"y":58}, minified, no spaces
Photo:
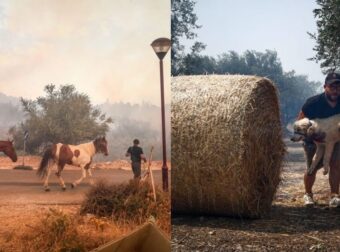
{"x":63,"y":188}
{"x":73,"y":185}
{"x":47,"y":189}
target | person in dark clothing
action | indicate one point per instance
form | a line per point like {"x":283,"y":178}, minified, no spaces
{"x":136,"y":154}
{"x":321,"y":106}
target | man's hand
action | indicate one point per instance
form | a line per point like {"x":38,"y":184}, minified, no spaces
{"x":143,"y":157}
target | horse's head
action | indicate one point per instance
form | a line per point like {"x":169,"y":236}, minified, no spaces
{"x":101,"y":145}
{"x":9,"y":150}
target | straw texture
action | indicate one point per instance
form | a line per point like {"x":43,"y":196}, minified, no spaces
{"x":226,"y":143}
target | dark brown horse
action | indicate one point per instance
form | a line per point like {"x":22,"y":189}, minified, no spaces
{"x":8,"y":148}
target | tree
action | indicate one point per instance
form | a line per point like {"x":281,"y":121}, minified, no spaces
{"x":194,"y":63}
{"x":183,"y":23}
{"x":293,"y":89}
{"x":62,"y":115}
{"x":327,"y":38}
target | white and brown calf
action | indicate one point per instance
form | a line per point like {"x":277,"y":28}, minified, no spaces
{"x":77,"y":155}
{"x":325,"y":133}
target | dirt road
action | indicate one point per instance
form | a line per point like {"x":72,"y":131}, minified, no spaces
{"x":289,"y":227}
{"x":24,"y":187}
{"x":24,"y":204}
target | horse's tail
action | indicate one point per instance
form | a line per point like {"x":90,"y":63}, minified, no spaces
{"x":48,"y":154}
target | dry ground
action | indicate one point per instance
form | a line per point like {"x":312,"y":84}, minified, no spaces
{"x":289,"y":227}
{"x":23,"y":202}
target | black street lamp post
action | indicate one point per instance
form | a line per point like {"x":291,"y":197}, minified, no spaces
{"x":161,"y":46}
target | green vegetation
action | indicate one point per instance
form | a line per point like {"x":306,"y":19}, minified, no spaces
{"x":183,"y":23}
{"x":62,"y":115}
{"x":293,"y":89}
{"x":327,"y":37}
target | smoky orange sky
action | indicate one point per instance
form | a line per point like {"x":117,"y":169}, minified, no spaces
{"x":102,"y":47}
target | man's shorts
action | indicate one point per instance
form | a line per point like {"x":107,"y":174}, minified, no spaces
{"x":310,"y":149}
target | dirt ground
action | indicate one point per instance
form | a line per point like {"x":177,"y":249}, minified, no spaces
{"x":289,"y":227}
{"x":23,"y":201}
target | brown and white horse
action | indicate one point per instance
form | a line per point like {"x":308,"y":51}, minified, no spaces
{"x":8,"y":148}
{"x":77,"y":155}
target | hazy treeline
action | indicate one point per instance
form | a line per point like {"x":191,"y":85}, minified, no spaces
{"x":142,"y":121}
{"x":293,"y":89}
{"x":10,"y":114}
{"x":129,"y":121}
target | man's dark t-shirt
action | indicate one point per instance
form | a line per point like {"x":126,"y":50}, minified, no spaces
{"x":135,"y":153}
{"x":318,"y":107}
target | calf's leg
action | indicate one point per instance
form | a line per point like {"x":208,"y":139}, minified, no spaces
{"x":327,"y":157}
{"x":316,"y":159}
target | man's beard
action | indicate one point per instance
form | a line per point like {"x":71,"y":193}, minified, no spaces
{"x":332,"y":98}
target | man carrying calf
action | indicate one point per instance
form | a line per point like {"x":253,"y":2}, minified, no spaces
{"x":321,"y":106}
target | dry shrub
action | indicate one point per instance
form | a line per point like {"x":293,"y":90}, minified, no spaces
{"x":128,"y":203}
{"x":57,"y":231}
{"x":60,"y":231}
{"x":126,"y":207}
{"x":227,"y":146}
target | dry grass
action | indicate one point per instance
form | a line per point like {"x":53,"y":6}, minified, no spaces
{"x":289,"y":227}
{"x":64,"y":228}
{"x":58,"y":230}
{"x":227,"y":147}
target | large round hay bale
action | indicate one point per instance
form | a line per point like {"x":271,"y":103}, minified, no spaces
{"x":226,"y":144}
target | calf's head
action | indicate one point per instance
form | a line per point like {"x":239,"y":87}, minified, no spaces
{"x":301,"y":129}
{"x":305,"y":128}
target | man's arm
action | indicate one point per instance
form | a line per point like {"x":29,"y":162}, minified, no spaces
{"x":128,"y":153}
{"x":301,"y":115}
{"x":142,"y":156}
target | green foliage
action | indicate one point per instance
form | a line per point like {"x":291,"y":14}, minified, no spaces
{"x":62,"y":115}
{"x":183,"y":24}
{"x":327,"y":38}
{"x":293,"y":89}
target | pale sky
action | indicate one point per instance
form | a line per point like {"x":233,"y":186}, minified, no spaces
{"x":102,"y":47}
{"x":259,"y":25}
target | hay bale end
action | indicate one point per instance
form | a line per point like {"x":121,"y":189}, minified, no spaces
{"x":226,"y":143}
